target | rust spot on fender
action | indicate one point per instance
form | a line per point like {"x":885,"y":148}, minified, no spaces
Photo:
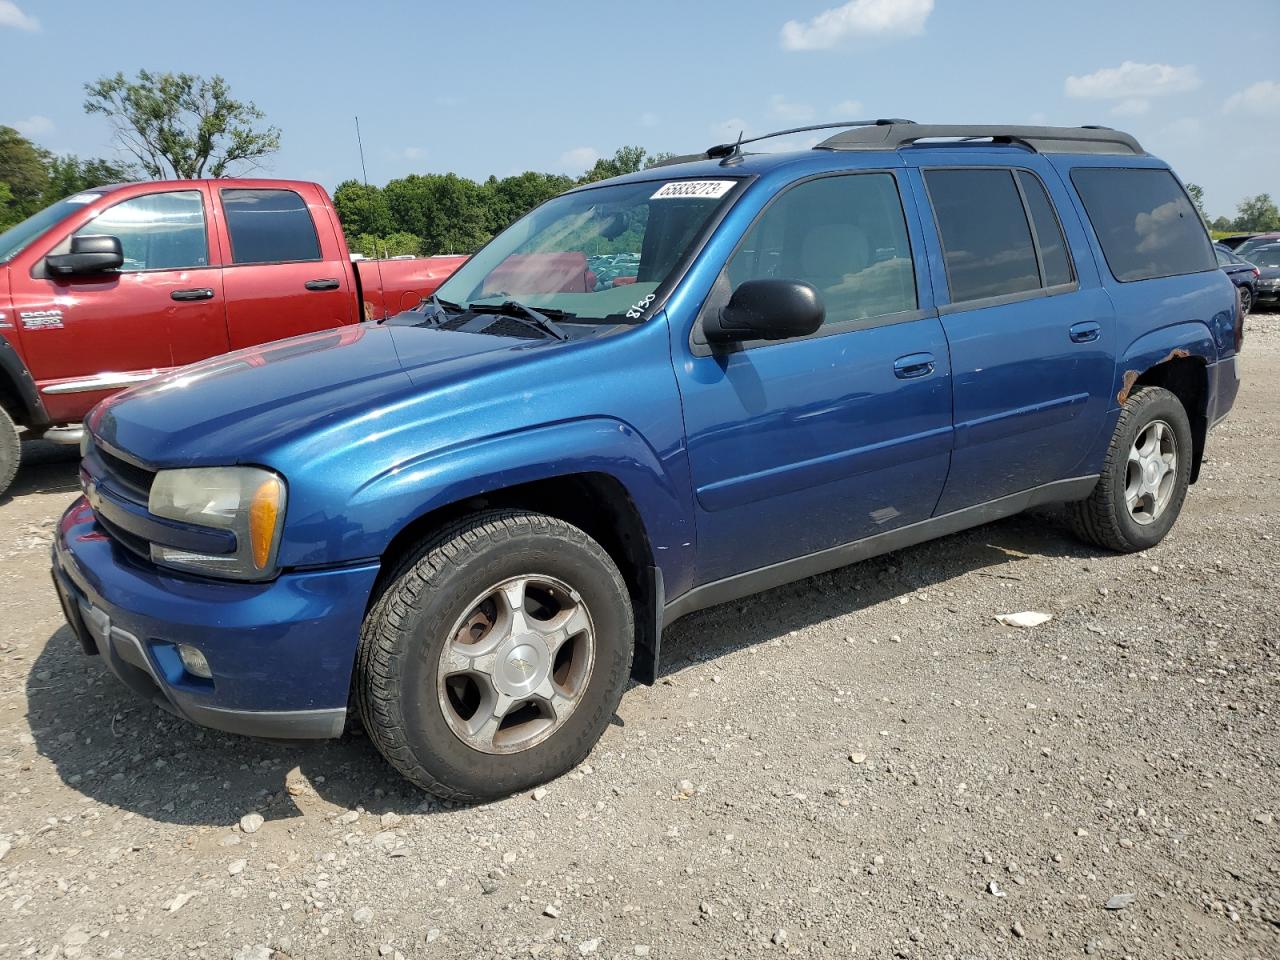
{"x":1131,"y":376}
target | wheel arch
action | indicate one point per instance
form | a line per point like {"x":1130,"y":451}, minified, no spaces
{"x":1177,"y":359}
{"x":600,"y":476}
{"x":18,"y":393}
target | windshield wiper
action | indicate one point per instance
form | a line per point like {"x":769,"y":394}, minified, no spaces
{"x":538,"y":319}
{"x":440,"y":310}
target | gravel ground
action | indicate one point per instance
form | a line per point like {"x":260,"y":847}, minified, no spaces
{"x":864,"y":764}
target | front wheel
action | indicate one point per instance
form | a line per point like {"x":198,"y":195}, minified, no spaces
{"x":1246,"y":301}
{"x":10,"y":450}
{"x":495,"y":656}
{"x":1144,"y":478}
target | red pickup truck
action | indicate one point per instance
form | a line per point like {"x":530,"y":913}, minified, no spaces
{"x":110,"y":287}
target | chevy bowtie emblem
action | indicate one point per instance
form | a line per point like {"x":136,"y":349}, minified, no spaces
{"x":524,"y":666}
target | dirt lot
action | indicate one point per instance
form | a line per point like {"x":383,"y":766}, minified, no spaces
{"x":875,"y":767}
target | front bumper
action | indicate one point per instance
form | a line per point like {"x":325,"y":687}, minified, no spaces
{"x":281,"y":653}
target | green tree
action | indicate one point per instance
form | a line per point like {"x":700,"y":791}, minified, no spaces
{"x":509,"y":199}
{"x":182,"y":126}
{"x":624,"y":160}
{"x":447,"y":211}
{"x":1222,"y":224}
{"x":1196,"y":192}
{"x":24,"y":167}
{"x":362,"y":209}
{"x":8,"y":214}
{"x":70,"y":174}
{"x":392,"y":245}
{"x":1256,"y":214}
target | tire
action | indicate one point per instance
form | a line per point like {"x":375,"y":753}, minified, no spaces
{"x":1246,"y":301}
{"x":10,"y":450}
{"x":1105,"y":518}
{"x":414,"y":715}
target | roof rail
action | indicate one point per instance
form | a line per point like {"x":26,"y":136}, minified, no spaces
{"x":728,"y":153}
{"x":895,"y":134}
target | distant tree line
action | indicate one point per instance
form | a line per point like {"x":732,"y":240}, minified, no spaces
{"x":1256,"y":214}
{"x":445,"y":213}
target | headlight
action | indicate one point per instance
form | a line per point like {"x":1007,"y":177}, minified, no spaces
{"x":248,"y":501}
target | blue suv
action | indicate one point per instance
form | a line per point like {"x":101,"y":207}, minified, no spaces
{"x":468,"y":526}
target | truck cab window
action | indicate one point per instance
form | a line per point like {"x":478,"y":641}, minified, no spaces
{"x":269,"y":226}
{"x":159,"y":231}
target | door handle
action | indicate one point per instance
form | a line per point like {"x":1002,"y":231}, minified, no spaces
{"x":198,"y":293}
{"x":322,"y":284}
{"x":1086,"y":332}
{"x":913,"y":365}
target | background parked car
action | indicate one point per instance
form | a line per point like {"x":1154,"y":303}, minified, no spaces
{"x":1267,"y":260}
{"x":1255,"y":242}
{"x":1242,"y":273}
{"x":1232,"y":243}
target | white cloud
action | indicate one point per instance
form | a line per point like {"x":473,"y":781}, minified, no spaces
{"x":34,"y":126}
{"x":11,"y":15}
{"x":1261,"y":99}
{"x":1133,"y":81}
{"x":1133,"y":107}
{"x":847,"y":110}
{"x":579,"y":159}
{"x":784,"y":109}
{"x":854,"y":19}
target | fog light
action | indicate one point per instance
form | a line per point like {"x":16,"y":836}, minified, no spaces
{"x":194,"y":662}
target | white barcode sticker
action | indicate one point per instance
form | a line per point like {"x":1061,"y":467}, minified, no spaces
{"x":684,"y":189}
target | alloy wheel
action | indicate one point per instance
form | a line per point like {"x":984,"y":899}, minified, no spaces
{"x":516,"y":664}
{"x":1151,"y":475}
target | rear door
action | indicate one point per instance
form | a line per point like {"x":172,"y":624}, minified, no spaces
{"x":1031,"y":332}
{"x":283,"y":277}
{"x":87,"y":336}
{"x":806,"y":444}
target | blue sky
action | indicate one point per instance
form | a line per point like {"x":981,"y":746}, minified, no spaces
{"x":480,"y":87}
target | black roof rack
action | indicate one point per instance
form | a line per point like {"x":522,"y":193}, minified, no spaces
{"x":895,"y":134}
{"x":729,"y":152}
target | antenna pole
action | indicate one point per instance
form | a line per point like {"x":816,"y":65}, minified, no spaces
{"x":377,"y":261}
{"x":360,"y":144}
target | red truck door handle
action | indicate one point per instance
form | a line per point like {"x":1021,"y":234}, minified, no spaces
{"x":199,"y":293}
{"x":322,"y":284}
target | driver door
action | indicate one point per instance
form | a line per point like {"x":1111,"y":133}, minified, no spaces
{"x":88,"y":336}
{"x":806,"y":444}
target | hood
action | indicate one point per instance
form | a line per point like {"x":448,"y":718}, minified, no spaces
{"x":236,"y":407}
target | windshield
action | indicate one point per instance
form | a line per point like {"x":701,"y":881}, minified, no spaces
{"x":1266,"y":257}
{"x":14,"y":240}
{"x":592,"y":255}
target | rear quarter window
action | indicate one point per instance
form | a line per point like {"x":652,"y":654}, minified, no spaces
{"x":269,"y":226}
{"x":1144,"y":221}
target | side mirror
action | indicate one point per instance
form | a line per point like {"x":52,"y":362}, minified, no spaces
{"x":767,"y":310}
{"x":88,"y":255}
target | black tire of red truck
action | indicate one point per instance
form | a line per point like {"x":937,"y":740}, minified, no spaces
{"x":10,"y":450}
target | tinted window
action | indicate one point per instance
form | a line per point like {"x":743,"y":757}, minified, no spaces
{"x":269,"y":226}
{"x":986,"y":240}
{"x":1224,"y":259}
{"x":160,"y":231}
{"x":1053,"y":249}
{"x":1144,"y":221}
{"x":845,"y":235}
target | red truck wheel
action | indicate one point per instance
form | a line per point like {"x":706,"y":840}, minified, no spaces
{"x":10,"y":450}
